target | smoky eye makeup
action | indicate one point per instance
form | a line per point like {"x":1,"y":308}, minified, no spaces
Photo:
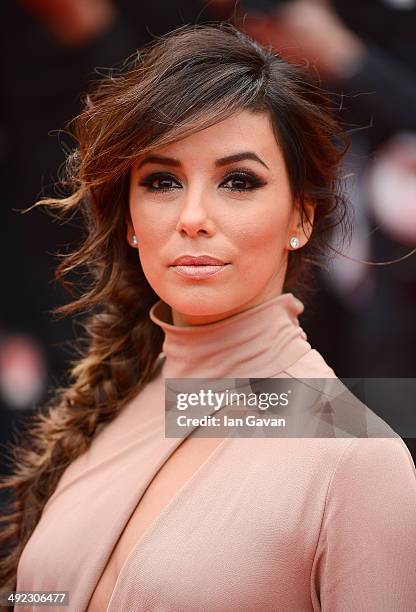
{"x":243,"y":180}
{"x":164,"y":178}
{"x":238,"y":179}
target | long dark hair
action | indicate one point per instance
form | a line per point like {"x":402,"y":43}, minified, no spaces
{"x":187,"y":80}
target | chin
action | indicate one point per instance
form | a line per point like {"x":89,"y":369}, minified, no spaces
{"x":200,"y":301}
{"x":198,"y":306}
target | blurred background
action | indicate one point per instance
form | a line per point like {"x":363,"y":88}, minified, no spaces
{"x":362,"y":319}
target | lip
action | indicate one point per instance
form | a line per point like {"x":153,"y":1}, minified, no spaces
{"x":197,"y":260}
{"x":199,"y":272}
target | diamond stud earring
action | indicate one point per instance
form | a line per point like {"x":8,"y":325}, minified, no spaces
{"x":294,"y":242}
{"x":134,"y":240}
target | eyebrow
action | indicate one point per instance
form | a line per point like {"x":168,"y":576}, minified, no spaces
{"x":223,"y":161}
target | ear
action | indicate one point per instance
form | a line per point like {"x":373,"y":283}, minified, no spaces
{"x":302,"y":222}
{"x":130,"y":230}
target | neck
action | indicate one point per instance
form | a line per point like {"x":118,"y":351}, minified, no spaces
{"x":260,"y":341}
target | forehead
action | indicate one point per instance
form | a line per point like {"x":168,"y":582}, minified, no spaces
{"x":242,"y":131}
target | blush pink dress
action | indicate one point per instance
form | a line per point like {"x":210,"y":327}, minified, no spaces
{"x":282,"y":525}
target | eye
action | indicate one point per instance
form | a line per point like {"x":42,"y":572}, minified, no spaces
{"x":159,"y":181}
{"x":240,"y":180}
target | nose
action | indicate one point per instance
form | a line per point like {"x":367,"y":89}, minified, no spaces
{"x":194,"y":218}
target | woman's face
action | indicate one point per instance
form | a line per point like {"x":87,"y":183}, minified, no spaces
{"x":222,"y":192}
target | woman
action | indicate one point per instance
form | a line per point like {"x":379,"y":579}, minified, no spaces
{"x":208,"y":146}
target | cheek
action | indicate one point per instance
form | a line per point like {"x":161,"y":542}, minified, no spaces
{"x":152,"y":226}
{"x":152,"y":250}
{"x":154,"y":231}
{"x":152,"y":235}
{"x":265,"y":233}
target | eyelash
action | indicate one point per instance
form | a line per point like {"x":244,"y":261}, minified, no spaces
{"x":253,"y":179}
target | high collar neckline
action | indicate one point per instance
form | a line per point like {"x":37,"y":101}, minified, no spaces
{"x":261,"y":341}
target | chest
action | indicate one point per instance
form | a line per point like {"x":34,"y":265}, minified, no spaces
{"x":176,"y":472}
{"x":157,"y":526}
{"x":216,"y":521}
